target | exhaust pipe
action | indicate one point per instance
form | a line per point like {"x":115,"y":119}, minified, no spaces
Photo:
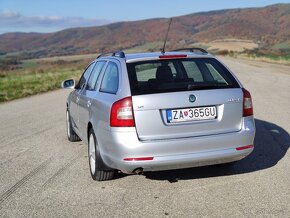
{"x":138,"y":171}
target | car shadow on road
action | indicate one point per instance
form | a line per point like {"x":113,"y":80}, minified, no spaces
{"x":271,"y":145}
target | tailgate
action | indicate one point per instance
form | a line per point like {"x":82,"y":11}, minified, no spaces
{"x":221,"y":110}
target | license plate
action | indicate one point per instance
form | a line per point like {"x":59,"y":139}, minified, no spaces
{"x":191,"y":114}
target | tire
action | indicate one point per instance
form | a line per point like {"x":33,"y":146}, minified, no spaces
{"x":71,"y":135}
{"x":97,"y":167}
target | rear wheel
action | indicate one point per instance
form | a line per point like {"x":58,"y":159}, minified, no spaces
{"x":71,"y":135}
{"x":96,"y":163}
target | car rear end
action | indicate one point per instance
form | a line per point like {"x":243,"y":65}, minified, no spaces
{"x":185,"y":110}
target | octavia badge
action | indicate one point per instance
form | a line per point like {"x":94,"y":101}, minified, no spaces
{"x":192,"y":98}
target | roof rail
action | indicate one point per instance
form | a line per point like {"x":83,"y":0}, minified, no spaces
{"x":119,"y":54}
{"x":192,"y":50}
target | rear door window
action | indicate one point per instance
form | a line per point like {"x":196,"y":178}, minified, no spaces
{"x":160,"y":76}
{"x":95,"y":74}
{"x":84,"y":78}
{"x":110,"y":81}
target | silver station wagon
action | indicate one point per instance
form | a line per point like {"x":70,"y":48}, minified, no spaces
{"x":159,"y":111}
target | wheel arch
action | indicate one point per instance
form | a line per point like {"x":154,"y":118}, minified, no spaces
{"x":89,"y":127}
{"x":102,"y":165}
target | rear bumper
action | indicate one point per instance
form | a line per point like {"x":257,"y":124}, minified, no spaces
{"x":186,"y":160}
{"x":175,"y":153}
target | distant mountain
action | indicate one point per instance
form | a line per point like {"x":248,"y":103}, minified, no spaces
{"x":269,"y":26}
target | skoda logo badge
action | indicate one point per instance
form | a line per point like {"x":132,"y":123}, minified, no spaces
{"x":192,"y":98}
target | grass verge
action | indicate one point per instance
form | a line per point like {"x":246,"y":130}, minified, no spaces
{"x":22,"y":78}
{"x":14,"y":85}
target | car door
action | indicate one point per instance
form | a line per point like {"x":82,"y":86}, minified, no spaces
{"x":74,"y":104}
{"x":86,"y":97}
{"x":107,"y":94}
{"x":73,"y":108}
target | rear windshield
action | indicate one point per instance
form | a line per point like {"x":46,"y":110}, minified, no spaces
{"x":160,"y":76}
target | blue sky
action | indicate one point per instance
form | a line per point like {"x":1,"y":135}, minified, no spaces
{"x":53,"y":15}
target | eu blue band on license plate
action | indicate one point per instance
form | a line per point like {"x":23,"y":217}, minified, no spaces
{"x":169,"y":115}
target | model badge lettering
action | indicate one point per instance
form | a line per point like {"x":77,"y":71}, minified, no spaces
{"x":234,"y":100}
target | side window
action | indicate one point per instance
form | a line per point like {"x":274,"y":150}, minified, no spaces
{"x":85,"y":76}
{"x":110,"y":82}
{"x":95,"y":74}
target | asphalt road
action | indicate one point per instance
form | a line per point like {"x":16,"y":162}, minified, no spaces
{"x":44,"y":175}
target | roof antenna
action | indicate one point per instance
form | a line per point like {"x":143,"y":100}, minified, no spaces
{"x":163,"y":49}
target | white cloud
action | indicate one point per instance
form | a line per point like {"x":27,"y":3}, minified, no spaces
{"x":53,"y":17}
{"x":9,"y":14}
{"x":15,"y":22}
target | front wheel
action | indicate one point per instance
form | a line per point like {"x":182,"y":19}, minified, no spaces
{"x":95,"y":161}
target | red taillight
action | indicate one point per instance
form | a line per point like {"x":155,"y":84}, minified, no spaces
{"x":138,"y":158}
{"x":172,"y":56}
{"x":244,"y":147}
{"x":122,"y":113}
{"x":247,"y":103}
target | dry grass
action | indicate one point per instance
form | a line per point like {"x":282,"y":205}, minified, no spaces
{"x":235,"y":45}
{"x":67,"y":58}
{"x":277,"y":60}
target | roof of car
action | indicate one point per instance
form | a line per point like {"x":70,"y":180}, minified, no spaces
{"x":156,"y":55}
{"x":179,"y":53}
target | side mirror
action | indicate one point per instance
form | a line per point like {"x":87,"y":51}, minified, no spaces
{"x":68,"y":84}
